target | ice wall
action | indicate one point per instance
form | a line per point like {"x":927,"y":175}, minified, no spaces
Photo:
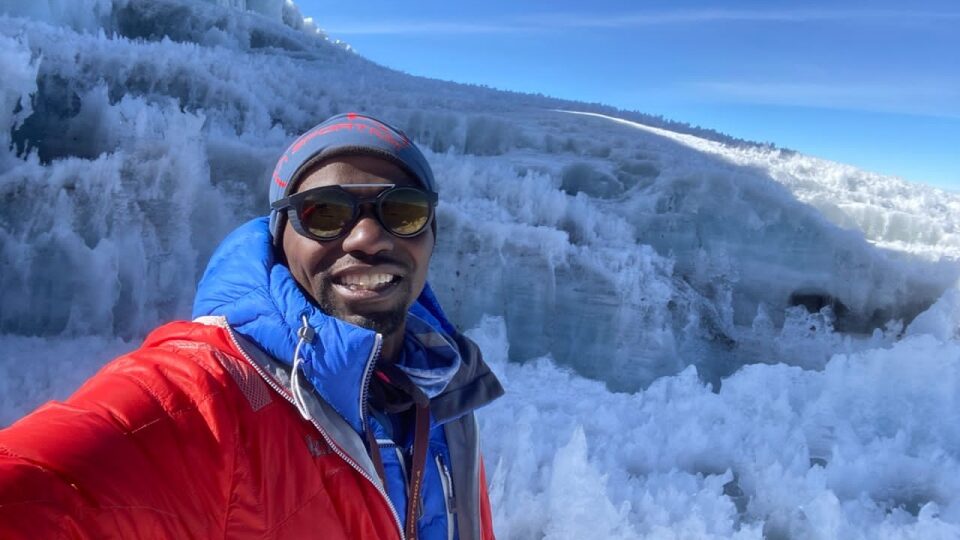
{"x":79,"y":15}
{"x":94,"y":15}
{"x":889,"y":211}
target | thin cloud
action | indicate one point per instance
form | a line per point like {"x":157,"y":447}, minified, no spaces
{"x":940,"y":99}
{"x":418,"y":27}
{"x":715,"y":15}
{"x":571,"y":21}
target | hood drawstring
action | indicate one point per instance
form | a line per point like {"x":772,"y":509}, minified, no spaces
{"x":305,"y":333}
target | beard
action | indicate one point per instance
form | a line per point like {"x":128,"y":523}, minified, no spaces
{"x":385,"y":322}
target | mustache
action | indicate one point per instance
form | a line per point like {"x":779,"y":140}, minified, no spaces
{"x":372,"y":260}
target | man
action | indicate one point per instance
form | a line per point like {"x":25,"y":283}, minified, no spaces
{"x":319,"y":393}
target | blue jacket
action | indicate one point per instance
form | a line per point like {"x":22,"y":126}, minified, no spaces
{"x":246,"y":284}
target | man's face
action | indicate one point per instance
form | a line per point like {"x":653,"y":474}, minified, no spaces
{"x":368,"y":277}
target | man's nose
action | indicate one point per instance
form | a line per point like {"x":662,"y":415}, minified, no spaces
{"x":367,"y":235}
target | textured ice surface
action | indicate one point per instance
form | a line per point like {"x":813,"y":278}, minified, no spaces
{"x":868,"y":447}
{"x":35,"y":370}
{"x":705,"y":338}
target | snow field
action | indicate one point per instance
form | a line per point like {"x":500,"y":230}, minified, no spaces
{"x":867,"y":448}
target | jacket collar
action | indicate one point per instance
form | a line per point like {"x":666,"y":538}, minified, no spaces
{"x":260,"y":299}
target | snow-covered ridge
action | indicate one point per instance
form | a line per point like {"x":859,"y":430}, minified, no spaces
{"x":134,"y":134}
{"x":890,"y":211}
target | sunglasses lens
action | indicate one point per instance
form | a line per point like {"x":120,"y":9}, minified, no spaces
{"x":405,"y":211}
{"x":327,"y":213}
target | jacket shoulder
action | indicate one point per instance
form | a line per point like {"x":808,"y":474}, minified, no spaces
{"x":147,"y":444}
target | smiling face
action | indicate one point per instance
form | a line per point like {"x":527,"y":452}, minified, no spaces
{"x":368,"y":277}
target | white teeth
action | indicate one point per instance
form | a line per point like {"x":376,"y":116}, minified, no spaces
{"x":366,"y":281}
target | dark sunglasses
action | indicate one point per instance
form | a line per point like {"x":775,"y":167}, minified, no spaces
{"x":329,"y":212}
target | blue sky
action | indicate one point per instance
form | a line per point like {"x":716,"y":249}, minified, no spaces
{"x":874,"y":84}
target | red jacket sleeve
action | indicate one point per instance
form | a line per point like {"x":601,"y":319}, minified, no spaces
{"x":486,"y":516}
{"x":142,"y":450}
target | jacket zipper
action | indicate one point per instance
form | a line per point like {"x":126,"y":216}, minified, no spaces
{"x":365,"y":382}
{"x":449,"y":502}
{"x":343,"y":455}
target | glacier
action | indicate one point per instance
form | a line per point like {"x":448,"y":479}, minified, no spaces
{"x":700,"y":337}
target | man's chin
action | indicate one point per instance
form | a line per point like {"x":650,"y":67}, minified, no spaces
{"x":385,"y":323}
{"x":384,"y":317}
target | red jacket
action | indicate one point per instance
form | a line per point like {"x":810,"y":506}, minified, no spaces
{"x":188,"y":437}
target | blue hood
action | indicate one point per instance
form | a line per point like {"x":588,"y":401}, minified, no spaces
{"x":245,"y":283}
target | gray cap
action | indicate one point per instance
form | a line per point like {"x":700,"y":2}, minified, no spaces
{"x":343,"y":135}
